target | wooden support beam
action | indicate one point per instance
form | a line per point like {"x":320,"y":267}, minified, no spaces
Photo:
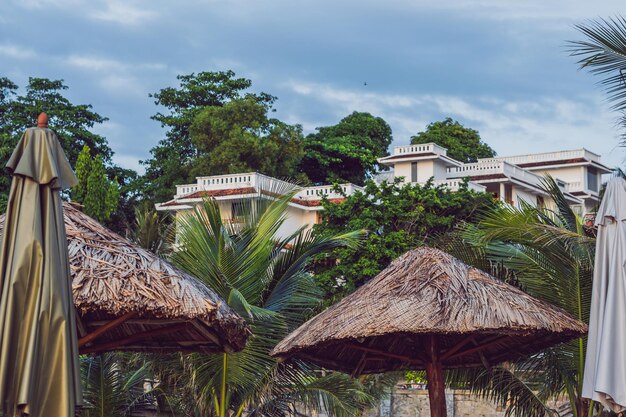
{"x":134,"y":338}
{"x":105,"y":328}
{"x":407,"y":359}
{"x":359,"y":366}
{"x":335,"y":365}
{"x":454,"y":349}
{"x":488,"y":343}
{"x":212,"y":337}
{"x":80,"y":326}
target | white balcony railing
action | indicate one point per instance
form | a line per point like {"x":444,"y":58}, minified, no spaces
{"x":260,"y":182}
{"x":421,"y":148}
{"x":575,"y":186}
{"x":232,"y":181}
{"x":455,"y":184}
{"x":328,"y":191}
{"x":548,"y":157}
{"x":494,"y":167}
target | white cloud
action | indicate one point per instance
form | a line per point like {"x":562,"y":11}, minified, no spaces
{"x":49,"y":4}
{"x":128,"y":162}
{"x":17,"y":52}
{"x":124,"y":12}
{"x":511,"y":127}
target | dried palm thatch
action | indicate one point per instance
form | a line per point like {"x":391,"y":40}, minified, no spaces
{"x":389,"y":323}
{"x":428,"y":310}
{"x":127,"y":298}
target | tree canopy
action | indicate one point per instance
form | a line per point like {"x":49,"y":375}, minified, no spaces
{"x":399,"y":217}
{"x":172,"y":159}
{"x":73,"y":123}
{"x":99,"y":196}
{"x":463,"y":144}
{"x":239,"y":137}
{"x":347,"y":151}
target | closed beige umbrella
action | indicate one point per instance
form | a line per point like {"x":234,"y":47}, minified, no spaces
{"x":39,"y":373}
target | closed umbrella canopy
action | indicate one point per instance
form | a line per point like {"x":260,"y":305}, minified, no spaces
{"x":605,"y":365}
{"x":38,"y":343}
{"x":428,"y":310}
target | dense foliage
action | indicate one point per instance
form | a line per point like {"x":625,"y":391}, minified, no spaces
{"x":71,"y":122}
{"x":463,"y":144}
{"x":398,"y":217}
{"x":267,"y":280}
{"x":98,"y":196}
{"x":347,"y":151}
{"x":239,"y":137}
{"x":173,"y":157}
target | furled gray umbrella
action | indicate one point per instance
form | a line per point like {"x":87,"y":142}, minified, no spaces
{"x":605,"y":365}
{"x":428,"y":310}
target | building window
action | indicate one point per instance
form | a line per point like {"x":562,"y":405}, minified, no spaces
{"x":413,"y":171}
{"x":508,"y":193}
{"x":541,"y":204}
{"x":592,"y":179}
{"x":237,"y":210}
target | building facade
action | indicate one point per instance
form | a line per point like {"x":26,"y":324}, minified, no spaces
{"x":512,"y":179}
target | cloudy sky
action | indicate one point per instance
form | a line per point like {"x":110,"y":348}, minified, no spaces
{"x":497,"y":66}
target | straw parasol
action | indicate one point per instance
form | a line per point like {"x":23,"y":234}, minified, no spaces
{"x":129,"y":299}
{"x":428,"y":310}
{"x":605,"y":365}
{"x":38,"y":344}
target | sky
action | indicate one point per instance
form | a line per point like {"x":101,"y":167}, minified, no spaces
{"x":498,"y":66}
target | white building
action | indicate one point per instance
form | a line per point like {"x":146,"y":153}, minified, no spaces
{"x":510,"y":179}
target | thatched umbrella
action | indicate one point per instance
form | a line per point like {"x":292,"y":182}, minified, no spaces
{"x":129,"y":299}
{"x":428,"y":310}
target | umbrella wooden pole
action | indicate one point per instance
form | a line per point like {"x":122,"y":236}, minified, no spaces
{"x":434,"y":375}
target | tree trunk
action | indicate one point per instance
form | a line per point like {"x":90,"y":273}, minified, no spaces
{"x":582,"y":407}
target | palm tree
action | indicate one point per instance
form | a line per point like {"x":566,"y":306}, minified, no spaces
{"x":604,"y":53}
{"x":152,"y":231}
{"x":114,"y":384}
{"x":550,"y":255}
{"x":264,"y":278}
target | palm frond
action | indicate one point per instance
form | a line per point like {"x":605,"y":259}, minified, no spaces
{"x":603,"y":52}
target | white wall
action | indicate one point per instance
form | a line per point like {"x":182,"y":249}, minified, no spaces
{"x":425,"y":170}
{"x":567,"y":174}
{"x":520,"y":194}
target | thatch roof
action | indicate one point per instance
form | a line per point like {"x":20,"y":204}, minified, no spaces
{"x":127,"y":298}
{"x":476,"y":317}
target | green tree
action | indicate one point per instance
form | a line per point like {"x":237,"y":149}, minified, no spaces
{"x":172,"y":159}
{"x":239,"y":137}
{"x":347,"y":151}
{"x":463,"y":144}
{"x":550,"y":255}
{"x":73,"y":125}
{"x":153,"y":231}
{"x":267,"y":280}
{"x":98,"y":195}
{"x":398,"y":217}
{"x":71,"y":122}
{"x":114,"y":385}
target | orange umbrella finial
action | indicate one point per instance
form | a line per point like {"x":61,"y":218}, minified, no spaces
{"x":42,"y":120}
